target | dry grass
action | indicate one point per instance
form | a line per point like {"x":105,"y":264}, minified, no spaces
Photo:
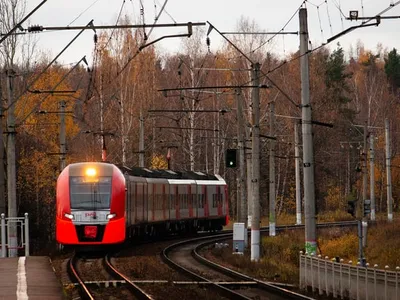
{"x":280,"y":254}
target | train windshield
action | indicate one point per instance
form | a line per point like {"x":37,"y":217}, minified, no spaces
{"x":90,"y":195}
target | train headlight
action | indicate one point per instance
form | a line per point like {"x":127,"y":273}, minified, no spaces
{"x":69,"y":216}
{"x":111,"y":216}
{"x":90,"y":172}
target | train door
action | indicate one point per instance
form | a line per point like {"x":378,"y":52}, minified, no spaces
{"x":200,"y":201}
{"x":177,"y":202}
{"x":150,"y":201}
{"x":183,"y":201}
{"x":191,"y":200}
{"x":206,"y":201}
{"x":159,"y":198}
{"x":172,"y":202}
{"x":218,"y":197}
{"x":212,"y":204}
{"x":128,"y":192}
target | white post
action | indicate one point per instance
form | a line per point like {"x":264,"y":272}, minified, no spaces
{"x":386,"y":290}
{"x":397,"y":282}
{"x":319,"y":275}
{"x":312,"y":273}
{"x":350,"y":263}
{"x":326,"y":276}
{"x":341,"y":278}
{"x":366,"y":281}
{"x":375,"y":266}
{"x":26,"y":235}
{"x":333,"y":278}
{"x":358,"y":280}
{"x":3,"y":236}
{"x":301,"y":270}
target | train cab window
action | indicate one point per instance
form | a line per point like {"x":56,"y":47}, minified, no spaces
{"x":90,"y":195}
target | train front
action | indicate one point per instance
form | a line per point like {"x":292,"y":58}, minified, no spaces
{"x":90,"y":205}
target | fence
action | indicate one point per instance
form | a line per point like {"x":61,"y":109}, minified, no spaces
{"x":22,"y":225}
{"x":346,"y":281}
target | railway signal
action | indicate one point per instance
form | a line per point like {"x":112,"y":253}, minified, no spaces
{"x":367,"y":207}
{"x":351,"y":207}
{"x":230,"y":158}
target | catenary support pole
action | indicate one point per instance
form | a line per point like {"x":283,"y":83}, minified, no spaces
{"x":2,"y":158}
{"x":388,"y":173}
{"x":308,"y":151}
{"x":272,"y":222}
{"x":248,"y":178}
{"x":372,"y":175}
{"x":364,"y":165}
{"x":141,"y":140}
{"x":242,"y":167}
{"x":297,"y":171}
{"x":255,"y":150}
{"x":242,"y":171}
{"x":11,"y":172}
{"x":62,"y":135}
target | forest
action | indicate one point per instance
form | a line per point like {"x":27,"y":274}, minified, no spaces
{"x":113,"y":98}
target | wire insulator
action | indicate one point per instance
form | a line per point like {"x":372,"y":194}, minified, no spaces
{"x":95,"y":38}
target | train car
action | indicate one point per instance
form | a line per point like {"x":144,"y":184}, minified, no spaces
{"x":166,"y":201}
{"x":90,"y":204}
{"x":102,"y":204}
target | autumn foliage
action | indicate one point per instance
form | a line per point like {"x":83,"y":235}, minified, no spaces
{"x":118,"y":98}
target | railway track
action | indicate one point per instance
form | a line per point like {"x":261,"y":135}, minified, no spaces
{"x":205,"y":275}
{"x":86,"y":288}
{"x":183,"y":256}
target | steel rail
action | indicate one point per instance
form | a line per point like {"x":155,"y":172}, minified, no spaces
{"x":84,"y":291}
{"x":136,"y":291}
{"x":218,"y":287}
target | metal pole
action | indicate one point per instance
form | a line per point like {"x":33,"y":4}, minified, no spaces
{"x":272,"y":221}
{"x":360,"y":243}
{"x":364,"y":165}
{"x":255,"y":180}
{"x":11,"y":173}
{"x":249,"y":174}
{"x":308,"y":151}
{"x":3,"y":236}
{"x":372,"y":176}
{"x":103,"y":141}
{"x":62,"y":135}
{"x":297,"y":171}
{"x":242,"y":173}
{"x":2,"y":165}
{"x":388,"y":173}
{"x":141,"y":140}
{"x":26,"y":235}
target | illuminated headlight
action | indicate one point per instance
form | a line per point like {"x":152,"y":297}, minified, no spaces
{"x":111,"y":216}
{"x":69,"y":216}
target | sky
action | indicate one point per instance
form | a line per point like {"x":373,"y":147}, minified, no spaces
{"x":326,"y":18}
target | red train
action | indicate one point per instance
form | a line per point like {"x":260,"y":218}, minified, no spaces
{"x":102,"y":204}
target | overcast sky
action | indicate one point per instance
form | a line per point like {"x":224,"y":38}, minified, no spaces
{"x":324,"y":18}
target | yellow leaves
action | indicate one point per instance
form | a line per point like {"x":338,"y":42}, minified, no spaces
{"x":45,"y":126}
{"x":158,"y":162}
{"x":37,"y":172}
{"x":332,"y":199}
